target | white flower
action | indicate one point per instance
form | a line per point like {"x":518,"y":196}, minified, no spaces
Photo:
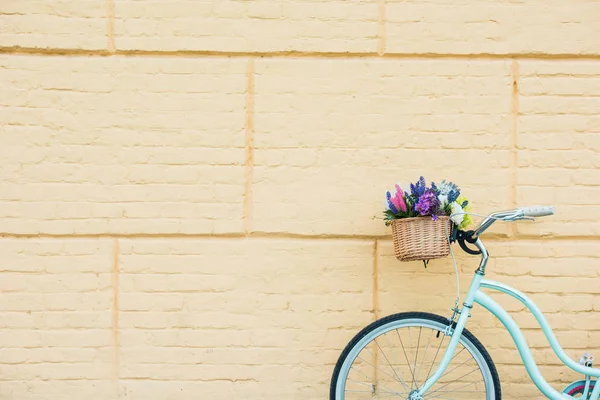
{"x":457,"y":209}
{"x":443,"y":199}
{"x":446,"y":187}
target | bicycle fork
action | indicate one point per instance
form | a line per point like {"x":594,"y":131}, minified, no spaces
{"x":456,"y":333}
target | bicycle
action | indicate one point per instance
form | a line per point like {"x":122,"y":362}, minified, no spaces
{"x":406,"y":374}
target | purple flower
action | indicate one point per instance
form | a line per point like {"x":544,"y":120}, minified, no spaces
{"x":428,"y":204}
{"x":418,"y":189}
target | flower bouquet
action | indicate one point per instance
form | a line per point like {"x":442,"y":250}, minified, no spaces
{"x":422,"y":218}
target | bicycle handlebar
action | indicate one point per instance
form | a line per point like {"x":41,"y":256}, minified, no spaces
{"x":511,"y":216}
{"x":537,"y":211}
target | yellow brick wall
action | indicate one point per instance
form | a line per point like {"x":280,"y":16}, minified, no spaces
{"x":188,"y":188}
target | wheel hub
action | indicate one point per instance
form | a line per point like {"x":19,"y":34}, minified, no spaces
{"x":414,"y":395}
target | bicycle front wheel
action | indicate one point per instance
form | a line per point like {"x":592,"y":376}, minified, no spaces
{"x":394,"y":356}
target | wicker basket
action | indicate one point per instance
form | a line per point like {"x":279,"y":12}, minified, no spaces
{"x":421,"y":238}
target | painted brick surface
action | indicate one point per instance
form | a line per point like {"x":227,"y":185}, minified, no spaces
{"x":54,"y":24}
{"x":438,"y":26}
{"x":490,"y":27}
{"x":96,"y":145}
{"x":56,"y":304}
{"x":196,"y":214}
{"x":239,"y":316}
{"x":330,"y":139}
{"x":231,"y":25}
{"x":559,"y":128}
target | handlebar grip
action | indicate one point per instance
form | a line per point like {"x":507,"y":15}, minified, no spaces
{"x":537,"y":211}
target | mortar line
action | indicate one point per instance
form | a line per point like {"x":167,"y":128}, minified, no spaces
{"x":375,"y":280}
{"x":110,"y":6}
{"x":491,"y":237}
{"x":293,"y":54}
{"x":115,"y":312}
{"x":514,"y":138}
{"x":375,"y":305}
{"x":381,"y":33}
{"x":249,"y":147}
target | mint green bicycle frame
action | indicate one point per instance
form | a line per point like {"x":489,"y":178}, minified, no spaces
{"x":475,"y":295}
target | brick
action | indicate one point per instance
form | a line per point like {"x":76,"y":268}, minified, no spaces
{"x":57,"y":317}
{"x":544,"y":260}
{"x":44,"y":371}
{"x":215,"y":319}
{"x":54,"y":24}
{"x":558,"y":145}
{"x":471,"y":27}
{"x":323,"y":130}
{"x":163,"y":154}
{"x":60,"y":389}
{"x":188,"y":390}
{"x":260,"y":26}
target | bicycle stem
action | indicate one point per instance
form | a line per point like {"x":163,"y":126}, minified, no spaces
{"x":484,"y":256}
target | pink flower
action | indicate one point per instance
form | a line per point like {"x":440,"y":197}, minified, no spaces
{"x":398,"y":199}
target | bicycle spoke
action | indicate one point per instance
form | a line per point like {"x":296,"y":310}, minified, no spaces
{"x":424,"y":355}
{"x":394,"y":359}
{"x":411,"y":355}
{"x":435,"y":358}
{"x":460,"y":365}
{"x":370,"y":385}
{"x":360,"y":372}
{"x":450,"y":371}
{"x":370,"y":395}
{"x":416,"y":357}
{"x":449,"y":383}
{"x":405,"y":356}
{"x":365,"y":361}
{"x":455,"y":391}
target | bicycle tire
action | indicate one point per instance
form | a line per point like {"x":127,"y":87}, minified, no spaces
{"x":395,"y":320}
